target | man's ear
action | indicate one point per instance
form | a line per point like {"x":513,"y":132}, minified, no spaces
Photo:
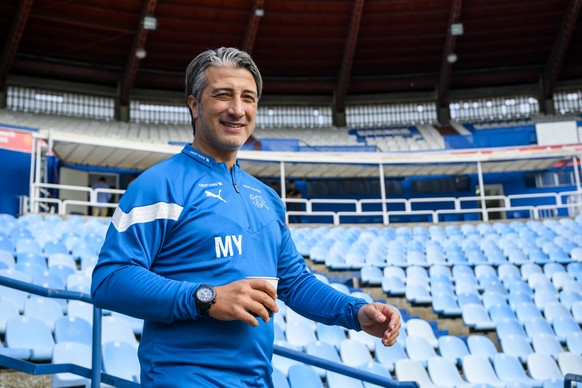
{"x":193,"y":104}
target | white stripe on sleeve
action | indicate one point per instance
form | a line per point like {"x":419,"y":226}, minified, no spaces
{"x":141,"y":214}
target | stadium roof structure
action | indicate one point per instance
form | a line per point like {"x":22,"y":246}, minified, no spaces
{"x":334,"y":51}
{"x":95,"y":152}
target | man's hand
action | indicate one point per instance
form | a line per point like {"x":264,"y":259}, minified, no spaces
{"x":380,"y":320}
{"x":244,"y":300}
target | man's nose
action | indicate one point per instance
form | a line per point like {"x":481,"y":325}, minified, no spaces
{"x":236,"y":107}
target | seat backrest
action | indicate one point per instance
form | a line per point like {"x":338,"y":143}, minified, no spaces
{"x":304,"y":376}
{"x":444,"y":373}
{"x":30,"y":333}
{"x":325,"y":351}
{"x":453,"y":348}
{"x":73,"y":329}
{"x":570,"y":362}
{"x":420,"y":327}
{"x":419,"y":349}
{"x":117,"y":329}
{"x":481,"y":345}
{"x":543,"y":367}
{"x":479,"y":370}
{"x":120,"y":359}
{"x":354,"y":353}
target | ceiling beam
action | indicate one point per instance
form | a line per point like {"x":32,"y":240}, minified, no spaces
{"x":444,"y":82}
{"x":253,"y":26}
{"x":11,"y":43}
{"x":556,"y":58}
{"x":132,"y":63}
{"x":343,"y":79}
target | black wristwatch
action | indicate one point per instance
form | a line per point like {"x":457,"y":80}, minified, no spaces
{"x":205,"y":297}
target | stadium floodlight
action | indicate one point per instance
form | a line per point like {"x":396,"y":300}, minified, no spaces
{"x":150,"y":23}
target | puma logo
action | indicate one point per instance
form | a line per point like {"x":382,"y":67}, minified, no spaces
{"x":211,"y":194}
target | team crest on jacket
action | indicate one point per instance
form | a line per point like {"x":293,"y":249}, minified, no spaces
{"x":258,"y":201}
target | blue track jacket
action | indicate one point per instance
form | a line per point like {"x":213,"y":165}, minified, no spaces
{"x":190,"y":220}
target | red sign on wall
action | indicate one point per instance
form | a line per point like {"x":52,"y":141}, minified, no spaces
{"x":15,"y":140}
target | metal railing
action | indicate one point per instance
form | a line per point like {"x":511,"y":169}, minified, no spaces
{"x":434,"y":210}
{"x":97,"y":375}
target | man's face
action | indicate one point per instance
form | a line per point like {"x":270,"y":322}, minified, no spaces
{"x":226,"y":115}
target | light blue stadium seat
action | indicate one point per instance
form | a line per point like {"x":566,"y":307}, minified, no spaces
{"x":568,"y":298}
{"x":576,"y":310}
{"x":418,"y":294}
{"x":481,"y":345}
{"x":421,"y":328}
{"x":479,"y":370}
{"x":500,"y":311}
{"x":283,"y":363}
{"x":7,"y":260}
{"x":419,"y":349}
{"x":279,"y":379}
{"x":54,"y":246}
{"x":516,"y":345}
{"x":554,"y":310}
{"x":299,"y":333}
{"x":29,"y":333}
{"x":544,"y":368}
{"x":16,"y":296}
{"x":325,"y":351}
{"x":452,"y":348}
{"x":536,"y":325}
{"x":44,"y":309}
{"x":73,"y":329}
{"x":304,"y":376}
{"x":27,"y":245}
{"x":71,"y":353}
{"x":354,"y":353}
{"x":445,"y":304}
{"x":362,"y":337}
{"x":393,"y":286}
{"x":120,"y":360}
{"x":444,"y":373}
{"x":468,"y":297}
{"x":117,"y":329}
{"x":508,"y":326}
{"x":20,"y":353}
{"x":377,"y":369}
{"x":510,"y":370}
{"x":544,"y":343}
{"x":570,"y":362}
{"x":526,"y":310}
{"x":332,"y":335}
{"x":371,"y":275}
{"x":8,"y":310}
{"x":336,"y":380}
{"x":564,"y":326}
{"x":476,"y":317}
{"x":412,"y":370}
{"x":388,"y":356}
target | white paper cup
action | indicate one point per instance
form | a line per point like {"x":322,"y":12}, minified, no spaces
{"x":272,"y":281}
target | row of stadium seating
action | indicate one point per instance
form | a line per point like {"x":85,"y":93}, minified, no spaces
{"x":531,"y":309}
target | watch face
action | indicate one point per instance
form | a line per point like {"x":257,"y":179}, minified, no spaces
{"x":205,"y":294}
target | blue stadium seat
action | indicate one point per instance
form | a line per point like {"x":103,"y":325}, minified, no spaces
{"x":476,"y":317}
{"x":388,"y":356}
{"x":544,"y":368}
{"x":299,"y":333}
{"x":452,"y":348}
{"x":377,"y":369}
{"x":544,"y":343}
{"x":570,"y":362}
{"x":516,"y":345}
{"x":354,"y":353}
{"x":325,"y":351}
{"x":279,"y":379}
{"x":564,"y":326}
{"x":336,"y":380}
{"x":44,"y":309}
{"x":304,"y":376}
{"x":510,"y":370}
{"x":419,"y":349}
{"x":444,"y":373}
{"x":120,"y":360}
{"x":479,"y":370}
{"x":8,"y":310}
{"x":412,"y":370}
{"x":29,"y":333}
{"x":117,"y":329}
{"x":71,"y":353}
{"x":73,"y":329}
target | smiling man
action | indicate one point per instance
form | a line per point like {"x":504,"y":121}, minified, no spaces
{"x":190,"y":231}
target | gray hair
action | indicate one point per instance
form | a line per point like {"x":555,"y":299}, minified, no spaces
{"x":195,"y":81}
